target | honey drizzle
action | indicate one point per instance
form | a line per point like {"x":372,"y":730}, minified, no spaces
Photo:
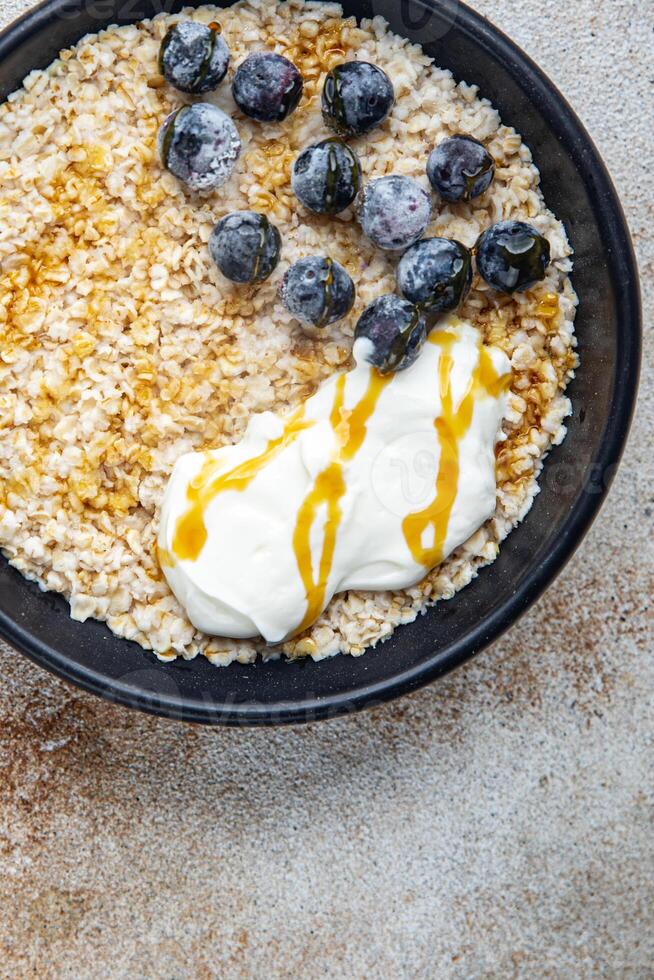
{"x":548,"y":306}
{"x":190,"y":531}
{"x":328,"y":489}
{"x":451,"y":426}
{"x":165,"y":558}
{"x":349,"y":427}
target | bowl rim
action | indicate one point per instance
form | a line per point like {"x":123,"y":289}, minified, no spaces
{"x":556,"y":110}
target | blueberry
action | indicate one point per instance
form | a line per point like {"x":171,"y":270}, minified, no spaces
{"x":395,"y":211}
{"x":245,"y":246}
{"x":193,"y":57}
{"x":395,"y":331}
{"x":327,"y":176}
{"x":356,"y":97}
{"x":512,"y":256}
{"x":317,"y":291}
{"x":199,"y":144}
{"x":436,"y":273}
{"x":267,"y":87}
{"x":460,"y":168}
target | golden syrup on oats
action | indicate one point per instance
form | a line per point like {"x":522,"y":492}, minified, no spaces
{"x":548,"y":306}
{"x":84,"y":214}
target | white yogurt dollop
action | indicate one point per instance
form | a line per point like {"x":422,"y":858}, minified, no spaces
{"x":371,"y":483}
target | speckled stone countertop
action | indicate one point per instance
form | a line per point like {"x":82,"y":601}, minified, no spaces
{"x":498,"y":824}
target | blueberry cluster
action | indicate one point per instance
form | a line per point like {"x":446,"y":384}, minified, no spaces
{"x":200,"y":144}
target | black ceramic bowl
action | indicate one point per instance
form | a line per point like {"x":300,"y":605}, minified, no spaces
{"x":578,"y":188}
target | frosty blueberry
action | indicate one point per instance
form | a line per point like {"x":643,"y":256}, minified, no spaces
{"x":317,"y":291}
{"x":460,"y":168}
{"x":193,"y":57}
{"x":512,"y":256}
{"x":394,"y":330}
{"x":356,"y":97}
{"x":245,"y":246}
{"x":435,"y":273}
{"x":395,"y":211}
{"x":199,"y":144}
{"x":327,"y":176}
{"x":267,"y":87}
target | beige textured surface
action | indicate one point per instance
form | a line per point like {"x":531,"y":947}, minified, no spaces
{"x":499,"y":824}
